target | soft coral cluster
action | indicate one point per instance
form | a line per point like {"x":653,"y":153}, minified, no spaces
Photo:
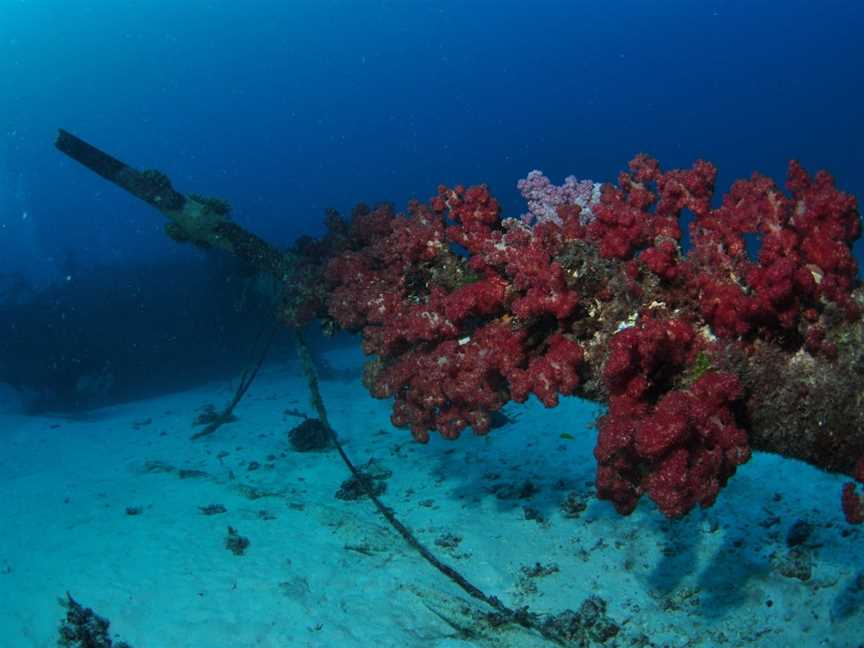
{"x":852,"y":502}
{"x":635,"y":216}
{"x":804,"y":262}
{"x":803,"y":268}
{"x":452,"y":335}
{"x":466,"y":312}
{"x":677,"y":444}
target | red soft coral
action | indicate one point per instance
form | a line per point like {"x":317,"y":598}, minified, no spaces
{"x":679,"y":446}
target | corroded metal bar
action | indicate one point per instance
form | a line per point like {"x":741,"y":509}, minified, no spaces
{"x":194,"y":219}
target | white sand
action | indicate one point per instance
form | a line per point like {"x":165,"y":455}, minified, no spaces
{"x":325,"y":572}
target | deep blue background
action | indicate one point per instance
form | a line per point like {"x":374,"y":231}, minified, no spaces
{"x":286,"y":108}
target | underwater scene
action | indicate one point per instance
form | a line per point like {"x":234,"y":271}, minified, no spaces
{"x":425,"y":323}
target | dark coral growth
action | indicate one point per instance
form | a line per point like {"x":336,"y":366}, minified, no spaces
{"x":588,"y":627}
{"x":310,"y":436}
{"x":83,"y":628}
{"x":374,"y":478}
{"x":236,"y":543}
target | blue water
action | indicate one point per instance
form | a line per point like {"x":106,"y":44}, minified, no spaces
{"x":288,"y":108}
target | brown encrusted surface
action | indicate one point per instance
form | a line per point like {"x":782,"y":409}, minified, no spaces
{"x":810,"y":408}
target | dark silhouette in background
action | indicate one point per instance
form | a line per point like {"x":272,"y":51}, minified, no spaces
{"x":126,"y":332}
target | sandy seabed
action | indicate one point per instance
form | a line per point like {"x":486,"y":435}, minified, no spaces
{"x":108,"y":507}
